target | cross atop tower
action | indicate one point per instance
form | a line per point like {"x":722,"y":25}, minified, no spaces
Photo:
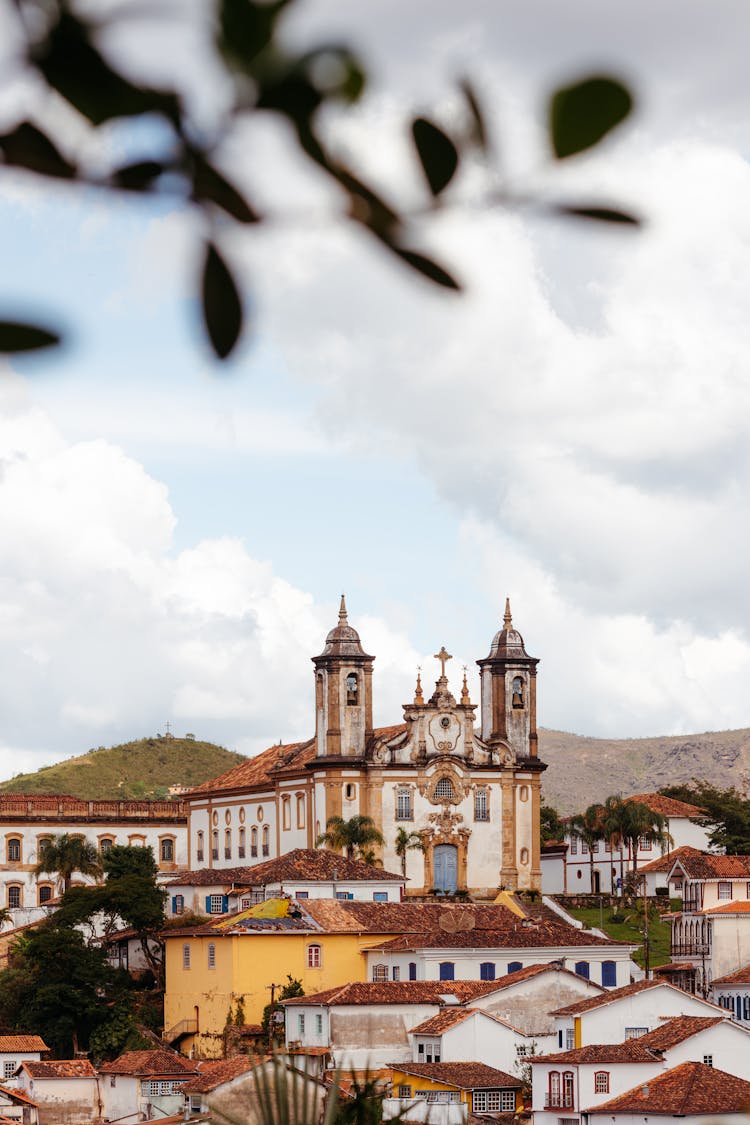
{"x":443,"y":657}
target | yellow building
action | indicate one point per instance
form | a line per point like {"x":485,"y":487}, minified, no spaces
{"x":482,"y":1089}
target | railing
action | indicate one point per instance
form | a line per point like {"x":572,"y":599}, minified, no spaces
{"x":62,"y":808}
{"x":184,"y":1027}
{"x":690,"y":949}
{"x":558,"y":1101}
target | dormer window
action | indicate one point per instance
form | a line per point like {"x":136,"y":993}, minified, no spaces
{"x":351,"y":689}
{"x":517,"y":693}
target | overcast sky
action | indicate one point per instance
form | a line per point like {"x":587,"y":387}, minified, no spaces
{"x":573,"y":431}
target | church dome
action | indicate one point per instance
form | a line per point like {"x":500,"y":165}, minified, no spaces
{"x":508,"y":642}
{"x":343,"y":640}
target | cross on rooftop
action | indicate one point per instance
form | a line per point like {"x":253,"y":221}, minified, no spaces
{"x":443,"y":657}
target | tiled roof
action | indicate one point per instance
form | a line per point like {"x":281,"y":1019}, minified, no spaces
{"x":443,"y":1021}
{"x":665,"y":862}
{"x":610,"y":997}
{"x":59,"y":1068}
{"x":742,"y":976}
{"x":150,"y":1063}
{"x":398,"y":992}
{"x":738,"y":906}
{"x":518,"y":936}
{"x":677,"y":1030}
{"x":257,"y":772}
{"x":17,"y":1095}
{"x":215,"y":1072}
{"x":667,"y":806}
{"x":464,"y":1075}
{"x":690,"y":1088}
{"x":631,"y":1051}
{"x":707,"y":866}
{"x":313,"y":864}
{"x":22,"y":1043}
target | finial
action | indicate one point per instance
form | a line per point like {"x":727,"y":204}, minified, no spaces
{"x":418,"y":697}
{"x":465,"y":690}
{"x":343,"y":619}
{"x":507,"y":620}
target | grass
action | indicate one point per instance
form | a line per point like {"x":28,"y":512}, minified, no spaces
{"x":631,"y":930}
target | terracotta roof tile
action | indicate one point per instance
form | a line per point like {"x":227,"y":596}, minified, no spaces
{"x":443,"y":1021}
{"x":398,"y":992}
{"x":677,"y":1030}
{"x":690,"y":1088}
{"x":149,"y":1063}
{"x":311,"y":864}
{"x":707,"y":866}
{"x":17,"y":1095}
{"x":742,"y":976}
{"x":59,"y":1068}
{"x":22,"y":1043}
{"x":256,"y":772}
{"x":464,"y":1075}
{"x":667,"y":806}
{"x":738,"y":906}
{"x":631,"y":1051}
{"x":215,"y":1072}
{"x":591,"y":1002}
{"x":665,"y":862}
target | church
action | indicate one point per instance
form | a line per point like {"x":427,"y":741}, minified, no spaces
{"x":467,"y":794}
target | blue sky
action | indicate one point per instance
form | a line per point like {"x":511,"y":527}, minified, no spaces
{"x":571,"y":432}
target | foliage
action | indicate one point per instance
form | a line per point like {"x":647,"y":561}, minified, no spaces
{"x":552,"y":826}
{"x":66,"y":854}
{"x":287,"y":991}
{"x":727,"y":812}
{"x":118,"y":772}
{"x":406,"y":842}
{"x":589,"y":828}
{"x":61,"y":43}
{"x":626,"y":925}
{"x":350,"y":836}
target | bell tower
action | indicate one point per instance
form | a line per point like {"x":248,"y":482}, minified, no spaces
{"x":343,"y":693}
{"x":508,"y":680}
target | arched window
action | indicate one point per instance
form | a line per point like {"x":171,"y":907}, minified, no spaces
{"x":14,"y":896}
{"x":166,"y":848}
{"x":609,"y":974}
{"x":266,"y":838}
{"x":314,"y":956}
{"x":444,"y":789}
{"x":601,"y":1082}
{"x":514,"y":966}
{"x":44,"y":843}
{"x":286,"y":813}
{"x":555,"y":1089}
{"x":412,"y":970}
{"x":351,"y":689}
{"x":487,"y":970}
{"x":583,"y":969}
{"x":105,"y":845}
{"x":227,"y":843}
{"x":350,"y":790}
{"x":215,"y":844}
{"x":45,"y":893}
{"x":300,"y":810}
{"x":254,"y":842}
{"x":14,"y":849}
{"x":517,"y":692}
{"x":447,"y":970}
{"x":241,"y":845}
{"x":199,"y":852}
{"x":524,"y":856}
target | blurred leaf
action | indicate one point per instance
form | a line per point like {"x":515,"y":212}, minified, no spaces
{"x":27,"y":147}
{"x":208,"y":184}
{"x":247,"y":28}
{"x":437,"y":154}
{"x":478,"y":130}
{"x":291,"y":93}
{"x":222,"y":307}
{"x":75,"y":68}
{"x":365,"y":206}
{"x":601,"y":214}
{"x":428,"y":268}
{"x":335,"y":72}
{"x":17,"y":337}
{"x":137,"y":177}
{"x":580,"y":115}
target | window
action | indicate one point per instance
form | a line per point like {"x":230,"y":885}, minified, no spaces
{"x":494,"y":1101}
{"x":14,"y":897}
{"x":609,"y":974}
{"x":403,"y":804}
{"x":428,"y":1050}
{"x":635,"y":1032}
{"x":350,"y":790}
{"x":481,"y":805}
{"x":439,"y":1097}
{"x":286,"y":813}
{"x":228,"y":843}
{"x":514,"y":966}
{"x":583,"y":969}
{"x":345,"y":896}
{"x":45,"y":893}
{"x":645,"y":844}
{"x":300,"y":810}
{"x":14,"y":850}
{"x":186,"y":956}
{"x":517,"y":693}
{"x":252,"y":899}
{"x":241,"y":845}
{"x":44,"y":843}
{"x":266,"y":837}
{"x":487,"y":970}
{"x":568,"y":1088}
{"x":167,"y":851}
{"x":318,"y":1024}
{"x":570,"y":1039}
{"x":379,"y":973}
{"x":301,"y":894}
{"x":212,"y":956}
{"x":745,"y":1007}
{"x":105,"y":845}
{"x":708,"y":1060}
{"x":403,"y":1091}
{"x":155,"y":1087}
{"x":725,"y":889}
{"x":351,"y":689}
{"x":444,"y":789}
{"x":314,"y":956}
{"x":199,"y":847}
{"x":300,"y":1026}
{"x":573,"y":849}
{"x":601,"y":1082}
{"x":396,"y":972}
{"x":447,"y":970}
{"x":178,"y":904}
{"x":380,"y":896}
{"x":412,"y":970}
{"x":216,"y":904}
{"x":254,"y":842}
{"x":215,"y":844}
{"x":9,"y":1068}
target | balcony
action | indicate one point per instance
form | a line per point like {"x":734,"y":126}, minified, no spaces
{"x":559,"y":1101}
{"x":690,"y":949}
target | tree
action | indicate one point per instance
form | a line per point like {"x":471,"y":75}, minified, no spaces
{"x":287,"y":991}
{"x":66,"y":854}
{"x":406,"y":842}
{"x":552,"y":827}
{"x":589,"y":828}
{"x":615,"y":817}
{"x":642,"y":823}
{"x":726,"y":811}
{"x":350,"y":835}
{"x":60,"y":44}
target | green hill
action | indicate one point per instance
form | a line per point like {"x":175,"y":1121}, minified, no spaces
{"x":145,"y":768}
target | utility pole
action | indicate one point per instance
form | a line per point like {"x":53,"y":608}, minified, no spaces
{"x":272,"y":989}
{"x":646,"y":966}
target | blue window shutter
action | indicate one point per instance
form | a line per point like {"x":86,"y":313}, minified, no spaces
{"x":208,"y":904}
{"x":412,"y":970}
{"x":582,"y":968}
{"x":487,"y":970}
{"x":514,"y":966}
{"x":447,"y":970}
{"x":559,"y":1038}
{"x":224,"y":904}
{"x":609,"y":974}
{"x":174,"y":904}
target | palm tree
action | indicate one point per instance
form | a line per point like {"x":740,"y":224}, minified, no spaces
{"x":65,"y":854}
{"x":615,"y":824}
{"x":405,"y":842}
{"x":643,"y":823}
{"x":589,"y":828}
{"x":350,"y":835}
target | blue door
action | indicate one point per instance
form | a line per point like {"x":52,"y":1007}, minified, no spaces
{"x":445,"y":858}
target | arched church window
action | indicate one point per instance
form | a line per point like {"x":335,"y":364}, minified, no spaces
{"x":444,"y":789}
{"x":517,"y":692}
{"x":351,"y":689}
{"x":254,"y":842}
{"x":265,"y":846}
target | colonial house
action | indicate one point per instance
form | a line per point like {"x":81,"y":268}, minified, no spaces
{"x":471,"y":796}
{"x":694,"y":1092}
{"x":732,"y":992}
{"x":447,"y":1093}
{"x":29,"y":823}
{"x":15,"y":1049}
{"x":66,"y":1091}
{"x":625,"y":1013}
{"x":145,"y":1085}
{"x":325,"y":943}
{"x":568,"y":869}
{"x":302,"y":874}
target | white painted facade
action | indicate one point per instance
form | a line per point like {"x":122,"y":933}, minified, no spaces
{"x":619,"y":1018}
{"x":128,"y":1097}
{"x":63,"y":1101}
{"x":482,"y":1038}
{"x":564,"y":1089}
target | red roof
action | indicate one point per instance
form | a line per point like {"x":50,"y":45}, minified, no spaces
{"x":398,"y":992}
{"x":738,"y":906}
{"x":742,"y":976}
{"x":614,"y":994}
{"x":215,"y":1072}
{"x":59,"y":1068}
{"x":158,"y":1062}
{"x":22,"y":1043}
{"x":667,"y":806}
{"x":464,"y":1075}
{"x":677,"y":1030}
{"x":690,"y":1088}
{"x":444,"y":1020}
{"x":300,"y":865}
{"x":665,"y":862}
{"x":703,"y":865}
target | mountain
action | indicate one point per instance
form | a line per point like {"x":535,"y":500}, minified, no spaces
{"x":140,"y":769}
{"x":584,"y":770}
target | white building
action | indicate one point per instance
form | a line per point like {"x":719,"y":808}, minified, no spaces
{"x":66,"y":1091}
{"x":15,"y":1049}
{"x":693,"y":1092}
{"x":145,"y":1085}
{"x":732,"y":992}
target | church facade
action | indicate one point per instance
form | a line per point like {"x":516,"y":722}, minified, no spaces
{"x":465,"y":788}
